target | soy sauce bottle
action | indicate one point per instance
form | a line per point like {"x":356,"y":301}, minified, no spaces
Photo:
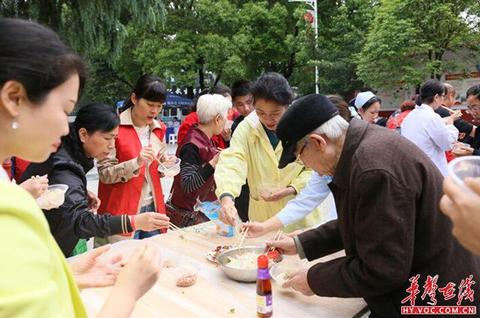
{"x":264,"y":289}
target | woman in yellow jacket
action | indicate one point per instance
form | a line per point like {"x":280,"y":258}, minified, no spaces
{"x":254,"y":153}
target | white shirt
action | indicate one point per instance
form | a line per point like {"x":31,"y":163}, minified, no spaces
{"x":315,"y":193}
{"x":3,"y":175}
{"x":428,"y":131}
{"x":144,"y":136}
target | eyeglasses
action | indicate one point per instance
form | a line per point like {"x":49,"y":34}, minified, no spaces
{"x":474,"y":107}
{"x":299,"y":151}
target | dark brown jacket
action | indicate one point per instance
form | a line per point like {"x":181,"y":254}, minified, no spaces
{"x":389,"y":223}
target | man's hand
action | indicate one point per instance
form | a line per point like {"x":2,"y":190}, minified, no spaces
{"x":299,"y":283}
{"x":286,"y":245}
{"x":463,"y":208}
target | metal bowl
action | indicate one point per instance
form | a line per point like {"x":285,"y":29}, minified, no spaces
{"x":241,"y":275}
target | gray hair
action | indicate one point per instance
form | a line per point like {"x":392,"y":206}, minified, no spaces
{"x":211,"y":105}
{"x":334,"y":128}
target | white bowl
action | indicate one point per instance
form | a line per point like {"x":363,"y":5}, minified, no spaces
{"x":170,"y":169}
{"x":53,"y":197}
{"x":280,"y":272}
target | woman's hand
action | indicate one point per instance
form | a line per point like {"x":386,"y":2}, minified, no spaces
{"x":455,"y":115}
{"x":93,"y":201}
{"x":461,"y":149}
{"x":136,"y":278}
{"x":140,"y":273}
{"x":226,"y":134}
{"x":150,"y":221}
{"x":256,"y":229}
{"x":278,"y":195}
{"x":146,"y":156}
{"x":90,"y":270}
{"x":228,"y":212}
{"x":213,"y":162}
{"x":36,"y":185}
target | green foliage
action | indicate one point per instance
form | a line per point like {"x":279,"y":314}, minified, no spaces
{"x":204,"y":39}
{"x":408,"y":40}
{"x":191,"y":43}
{"x":342,"y":29}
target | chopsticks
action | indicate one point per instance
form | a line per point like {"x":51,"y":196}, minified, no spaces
{"x":451,"y":111}
{"x":173,"y":227}
{"x":241,"y":239}
{"x":276,"y":237}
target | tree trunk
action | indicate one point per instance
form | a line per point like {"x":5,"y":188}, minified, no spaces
{"x":190,"y":92}
{"x":201,"y":72}
{"x":49,"y":13}
{"x":439,"y":57}
{"x":430,"y":57}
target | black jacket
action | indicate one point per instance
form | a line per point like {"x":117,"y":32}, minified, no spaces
{"x":73,"y":220}
{"x":387,"y":193}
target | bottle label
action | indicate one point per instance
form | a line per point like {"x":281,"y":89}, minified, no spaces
{"x":263,"y":274}
{"x":264,"y":304}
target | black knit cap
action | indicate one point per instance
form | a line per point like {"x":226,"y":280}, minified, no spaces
{"x":304,"y":116}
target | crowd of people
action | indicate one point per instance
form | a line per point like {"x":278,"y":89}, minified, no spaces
{"x":321,"y":169}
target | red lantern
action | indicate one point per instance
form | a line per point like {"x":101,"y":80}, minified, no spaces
{"x":308,"y":17}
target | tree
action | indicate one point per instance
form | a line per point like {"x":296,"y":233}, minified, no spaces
{"x":409,"y":38}
{"x":88,"y":25}
{"x":342,"y":28}
{"x":97,"y":29}
{"x":206,"y":39}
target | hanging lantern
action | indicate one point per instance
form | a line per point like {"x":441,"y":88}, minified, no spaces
{"x":308,"y":17}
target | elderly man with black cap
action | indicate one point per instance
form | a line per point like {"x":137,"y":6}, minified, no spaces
{"x":387,"y":192}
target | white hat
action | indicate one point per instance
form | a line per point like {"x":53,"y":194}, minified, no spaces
{"x":362,"y":98}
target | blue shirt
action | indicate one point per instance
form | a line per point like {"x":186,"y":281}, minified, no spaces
{"x":314,"y":193}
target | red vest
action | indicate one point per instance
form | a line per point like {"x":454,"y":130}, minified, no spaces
{"x":124,"y":198}
{"x":206,"y":192}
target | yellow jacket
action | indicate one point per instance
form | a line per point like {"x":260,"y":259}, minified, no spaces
{"x":251,"y":156}
{"x":35,"y":280}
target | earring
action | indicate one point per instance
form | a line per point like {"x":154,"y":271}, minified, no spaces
{"x":14,"y":124}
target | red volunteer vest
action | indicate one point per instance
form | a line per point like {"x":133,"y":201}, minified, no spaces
{"x":123,"y":198}
{"x":206,"y":192}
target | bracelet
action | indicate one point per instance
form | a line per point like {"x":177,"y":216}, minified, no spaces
{"x":132,"y":222}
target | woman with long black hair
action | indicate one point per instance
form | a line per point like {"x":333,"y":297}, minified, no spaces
{"x":92,"y":136}
{"x":428,"y":130}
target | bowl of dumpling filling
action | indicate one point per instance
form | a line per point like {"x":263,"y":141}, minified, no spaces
{"x":284,"y":271}
{"x":240,"y":264}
